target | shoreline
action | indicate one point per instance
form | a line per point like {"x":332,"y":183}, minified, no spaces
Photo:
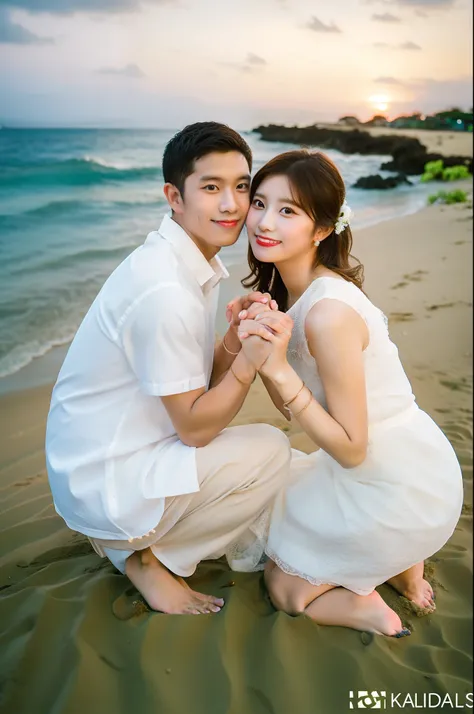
{"x":43,"y":369}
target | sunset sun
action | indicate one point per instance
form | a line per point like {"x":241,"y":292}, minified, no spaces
{"x":380,"y":102}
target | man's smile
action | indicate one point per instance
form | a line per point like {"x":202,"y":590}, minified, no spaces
{"x":228,"y":224}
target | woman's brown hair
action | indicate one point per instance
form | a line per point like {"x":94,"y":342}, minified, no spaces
{"x":317,"y":187}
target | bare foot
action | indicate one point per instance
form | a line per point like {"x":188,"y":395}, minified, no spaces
{"x":374,"y":615}
{"x":368,"y":613}
{"x":417,"y":590}
{"x":163,"y":591}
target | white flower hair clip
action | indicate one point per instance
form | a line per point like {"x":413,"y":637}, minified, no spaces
{"x":344,"y":218}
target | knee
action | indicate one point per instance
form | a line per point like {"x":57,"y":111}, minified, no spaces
{"x":287,"y":602}
{"x":272,"y":444}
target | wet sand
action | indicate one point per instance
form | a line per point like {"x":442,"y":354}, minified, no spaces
{"x":75,"y":637}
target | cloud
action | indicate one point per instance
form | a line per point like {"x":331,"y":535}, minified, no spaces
{"x":255,"y":60}
{"x":132,"y":71}
{"x":402,"y":46}
{"x":318,"y":26}
{"x":388,"y":80}
{"x":252,"y":63}
{"x":409,"y":46}
{"x":68,"y":7}
{"x":385,"y":17}
{"x":13,"y":34}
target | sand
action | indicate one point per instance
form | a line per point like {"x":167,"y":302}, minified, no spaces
{"x":447,"y":143}
{"x":63,"y":648}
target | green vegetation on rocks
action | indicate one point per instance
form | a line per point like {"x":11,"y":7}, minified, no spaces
{"x":436,"y":171}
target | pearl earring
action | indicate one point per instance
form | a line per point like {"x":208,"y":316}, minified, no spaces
{"x":317,"y":243}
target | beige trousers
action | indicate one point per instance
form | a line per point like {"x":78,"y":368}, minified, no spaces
{"x":240,"y":473}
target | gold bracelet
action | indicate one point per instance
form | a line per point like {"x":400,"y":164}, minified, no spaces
{"x":246,"y":384}
{"x":286,"y":404}
{"x":305,"y":406}
{"x":227,"y":349}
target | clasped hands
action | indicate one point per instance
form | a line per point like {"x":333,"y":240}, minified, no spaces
{"x":262,"y":329}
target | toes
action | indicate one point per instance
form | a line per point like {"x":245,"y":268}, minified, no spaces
{"x":207,"y":609}
{"x":206,"y":605}
{"x":214,"y":608}
{"x":209,"y":599}
{"x":405,"y":632}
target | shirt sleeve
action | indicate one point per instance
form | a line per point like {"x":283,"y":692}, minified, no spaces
{"x":163,"y":339}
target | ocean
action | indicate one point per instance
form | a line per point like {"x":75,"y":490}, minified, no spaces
{"x":75,"y":202}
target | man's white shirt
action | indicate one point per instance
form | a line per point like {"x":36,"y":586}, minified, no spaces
{"x":112,"y":452}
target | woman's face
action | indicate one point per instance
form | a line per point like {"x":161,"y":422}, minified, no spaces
{"x":278,"y":229}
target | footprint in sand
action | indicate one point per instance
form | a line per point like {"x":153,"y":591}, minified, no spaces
{"x":63,"y":552}
{"x":31,"y":479}
{"x":457,"y":385}
{"x":129,"y":605}
{"x":432,"y":308}
{"x":401,"y":316}
{"x":410,"y":278}
{"x":416,"y":276}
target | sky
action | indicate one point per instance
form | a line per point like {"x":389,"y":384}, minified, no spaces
{"x":165,"y":63}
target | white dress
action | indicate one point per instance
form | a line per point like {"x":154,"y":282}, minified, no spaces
{"x":359,"y":527}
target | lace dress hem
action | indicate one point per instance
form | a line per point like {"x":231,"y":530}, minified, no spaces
{"x":314,"y":581}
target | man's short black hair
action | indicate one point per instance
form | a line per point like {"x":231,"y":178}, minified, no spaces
{"x":195,"y":141}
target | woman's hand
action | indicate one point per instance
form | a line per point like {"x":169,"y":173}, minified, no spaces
{"x":256,"y":350}
{"x":272,"y":327}
{"x":239,"y":304}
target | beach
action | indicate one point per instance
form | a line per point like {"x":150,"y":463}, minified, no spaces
{"x":75,"y":635}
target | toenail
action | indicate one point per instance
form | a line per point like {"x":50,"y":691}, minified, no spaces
{"x":403,"y":633}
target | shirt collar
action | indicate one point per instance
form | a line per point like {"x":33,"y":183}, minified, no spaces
{"x":205,"y":271}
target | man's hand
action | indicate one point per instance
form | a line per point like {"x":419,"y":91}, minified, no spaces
{"x":239,"y":304}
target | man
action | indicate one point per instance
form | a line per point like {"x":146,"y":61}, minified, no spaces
{"x":136,"y":453}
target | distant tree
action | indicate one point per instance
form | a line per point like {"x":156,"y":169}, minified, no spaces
{"x":377,"y":120}
{"x":350,"y":120}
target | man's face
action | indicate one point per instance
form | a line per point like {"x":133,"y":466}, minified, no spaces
{"x":216,"y":200}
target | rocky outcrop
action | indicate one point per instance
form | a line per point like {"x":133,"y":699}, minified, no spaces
{"x":409,"y":156}
{"x":413,"y":163}
{"x":375,"y":181}
{"x":354,"y":141}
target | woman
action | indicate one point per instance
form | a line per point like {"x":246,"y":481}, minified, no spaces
{"x":384,"y":490}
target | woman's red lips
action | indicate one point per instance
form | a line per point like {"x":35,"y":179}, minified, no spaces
{"x":266,"y":242}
